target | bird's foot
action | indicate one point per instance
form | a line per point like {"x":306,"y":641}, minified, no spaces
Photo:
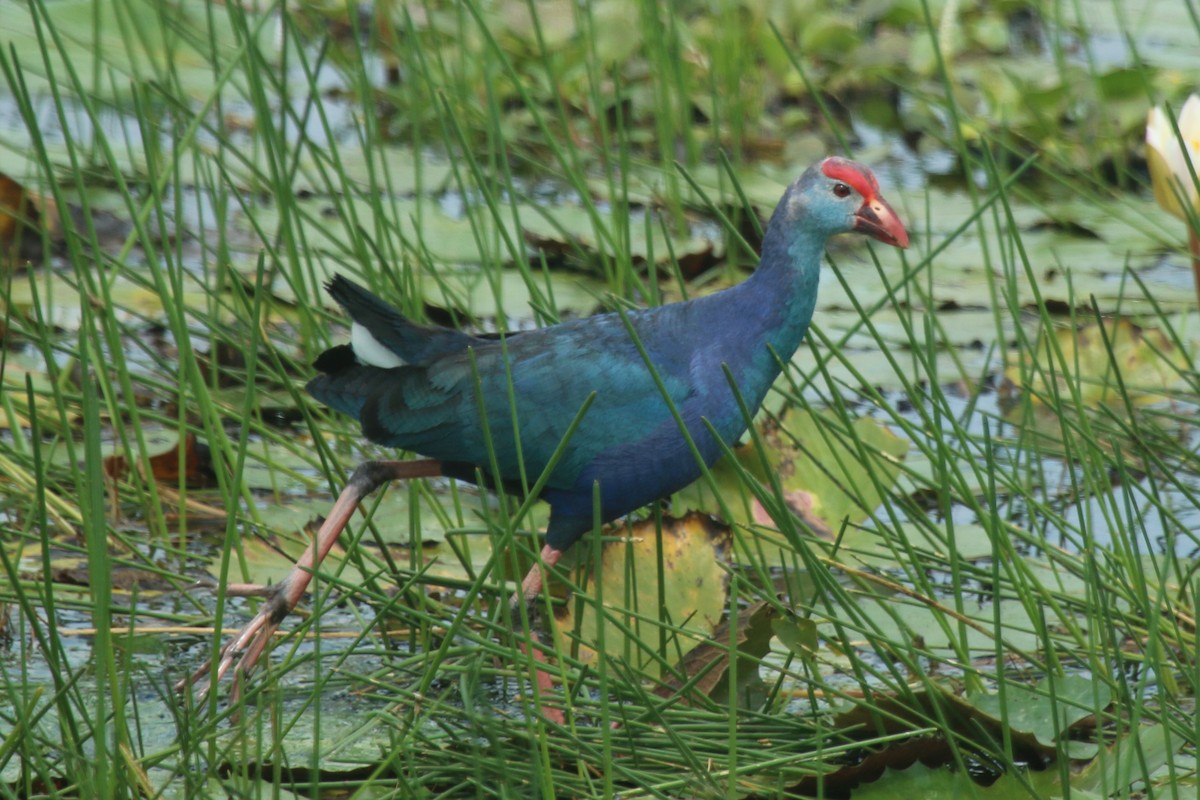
{"x":248,"y":645}
{"x":252,"y":640}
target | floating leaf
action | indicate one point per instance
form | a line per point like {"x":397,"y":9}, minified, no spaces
{"x":936,"y":782}
{"x":919,"y":618}
{"x":1027,"y":709}
{"x":1104,"y":366}
{"x":138,"y":39}
{"x":637,"y":611}
{"x":823,"y":481}
{"x":937,"y":707}
{"x":1128,"y":761}
{"x":819,"y":467}
{"x":915,"y":779}
{"x":916,"y":764}
{"x":737,"y":499}
{"x":797,"y":634}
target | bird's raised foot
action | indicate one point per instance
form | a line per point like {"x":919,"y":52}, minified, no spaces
{"x":248,"y":645}
{"x":283,"y":597}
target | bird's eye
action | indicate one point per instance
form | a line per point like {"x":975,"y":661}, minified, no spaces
{"x":841,"y":190}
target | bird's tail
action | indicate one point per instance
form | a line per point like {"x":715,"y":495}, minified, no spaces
{"x":405,"y":340}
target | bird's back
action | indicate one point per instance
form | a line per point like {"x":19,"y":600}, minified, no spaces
{"x":534,"y":385}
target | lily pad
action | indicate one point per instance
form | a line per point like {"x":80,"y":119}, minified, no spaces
{"x":924,"y":620}
{"x":823,"y":481}
{"x":1028,"y":709}
{"x":626,"y":607}
{"x":140,"y":40}
{"x":1104,"y":366}
{"x":821,"y":470}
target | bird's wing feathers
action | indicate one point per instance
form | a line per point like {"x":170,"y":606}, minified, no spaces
{"x":434,"y":409}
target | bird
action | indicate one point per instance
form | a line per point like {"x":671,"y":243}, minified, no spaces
{"x":620,"y":409}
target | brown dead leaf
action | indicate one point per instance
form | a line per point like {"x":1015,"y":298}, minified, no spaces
{"x":165,"y":467}
{"x":705,"y":670}
{"x":29,"y":222}
{"x":20,"y":240}
{"x":121,"y":578}
{"x":220,"y":362}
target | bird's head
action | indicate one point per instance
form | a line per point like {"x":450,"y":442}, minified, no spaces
{"x":838,"y":195}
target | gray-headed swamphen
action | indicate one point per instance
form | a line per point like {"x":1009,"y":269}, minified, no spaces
{"x":413,"y":387}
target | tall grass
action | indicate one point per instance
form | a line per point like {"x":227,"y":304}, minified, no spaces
{"x":1023,"y":546}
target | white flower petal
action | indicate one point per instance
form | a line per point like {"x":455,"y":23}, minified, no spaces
{"x":1189,"y":117}
{"x":1160,"y":135}
{"x":1157,"y":128}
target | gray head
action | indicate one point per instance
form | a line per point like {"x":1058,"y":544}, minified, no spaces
{"x":838,"y":195}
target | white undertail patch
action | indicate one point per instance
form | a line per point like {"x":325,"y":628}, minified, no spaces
{"x":370,"y":351}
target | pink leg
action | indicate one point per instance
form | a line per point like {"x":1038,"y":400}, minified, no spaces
{"x":531,"y":587}
{"x":252,"y":640}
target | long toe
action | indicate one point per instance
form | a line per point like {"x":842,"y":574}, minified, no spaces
{"x":245,"y":648}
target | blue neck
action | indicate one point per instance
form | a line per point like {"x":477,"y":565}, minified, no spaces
{"x":766,"y":316}
{"x":784,"y":287}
